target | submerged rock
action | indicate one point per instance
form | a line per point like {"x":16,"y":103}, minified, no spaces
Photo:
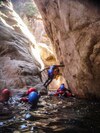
{"x":23,"y":127}
{"x":56,"y":115}
{"x":29,"y":117}
{"x":5,"y":112}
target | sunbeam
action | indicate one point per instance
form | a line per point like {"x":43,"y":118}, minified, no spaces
{"x":28,"y":34}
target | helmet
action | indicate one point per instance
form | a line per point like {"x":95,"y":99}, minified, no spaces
{"x":33,"y":97}
{"x":30,"y":90}
{"x":62,"y":87}
{"x":6,"y":92}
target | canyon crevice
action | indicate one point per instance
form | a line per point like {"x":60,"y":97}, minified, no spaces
{"x":74,"y":29}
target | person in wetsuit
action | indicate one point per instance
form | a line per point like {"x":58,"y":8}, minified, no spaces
{"x":63,"y":91}
{"x":53,"y":71}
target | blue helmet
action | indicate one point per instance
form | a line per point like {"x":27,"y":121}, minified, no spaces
{"x":33,"y":97}
{"x":62,"y":87}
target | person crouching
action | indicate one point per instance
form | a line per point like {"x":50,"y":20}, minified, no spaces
{"x":63,"y":91}
{"x":32,"y":97}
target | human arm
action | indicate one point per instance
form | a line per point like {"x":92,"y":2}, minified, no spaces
{"x":24,"y":99}
{"x":61,"y":65}
{"x":44,"y":69}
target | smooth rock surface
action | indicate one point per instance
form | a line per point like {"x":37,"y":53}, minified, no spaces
{"x":18,"y":67}
{"x":74,"y":29}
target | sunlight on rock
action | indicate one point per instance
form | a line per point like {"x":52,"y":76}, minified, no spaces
{"x":55,"y":84}
{"x":42,"y":101}
{"x":34,"y":47}
{"x":47,"y":54}
{"x":28,"y":34}
{"x":4,"y":22}
{"x":36,"y":54}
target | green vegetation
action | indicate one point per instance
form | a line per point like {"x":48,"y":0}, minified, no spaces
{"x":31,"y":9}
{"x":25,"y":8}
{"x":1,"y":2}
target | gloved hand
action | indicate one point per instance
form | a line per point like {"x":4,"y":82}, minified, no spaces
{"x":23,"y":99}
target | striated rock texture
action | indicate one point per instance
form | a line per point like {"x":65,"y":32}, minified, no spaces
{"x":18,"y":68}
{"x":32,"y":18}
{"x":74,"y":29}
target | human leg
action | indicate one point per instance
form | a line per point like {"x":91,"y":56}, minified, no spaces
{"x":46,"y":81}
{"x":49,"y":81}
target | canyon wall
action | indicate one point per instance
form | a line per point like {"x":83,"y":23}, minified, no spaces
{"x":19,"y":68}
{"x":74,"y":29}
{"x":31,"y":17}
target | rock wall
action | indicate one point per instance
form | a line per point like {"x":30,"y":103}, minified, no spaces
{"x":74,"y":29}
{"x":32,"y":18}
{"x":18,"y":68}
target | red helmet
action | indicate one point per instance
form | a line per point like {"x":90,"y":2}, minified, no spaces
{"x":6,"y":92}
{"x":30,"y":90}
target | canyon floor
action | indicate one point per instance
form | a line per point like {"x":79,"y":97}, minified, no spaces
{"x":52,"y":115}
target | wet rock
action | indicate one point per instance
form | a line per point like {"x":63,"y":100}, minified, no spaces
{"x":1,"y":123}
{"x":59,"y":103}
{"x":1,"y":106}
{"x":16,"y":132}
{"x":34,"y":128}
{"x":47,"y":113}
{"x":22,"y":119}
{"x":5,"y":112}
{"x":24,"y":127}
{"x":47,"y":119}
{"x":64,"y":107}
{"x":29,"y":117}
{"x":41,"y":89}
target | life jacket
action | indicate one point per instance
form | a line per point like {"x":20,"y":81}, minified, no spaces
{"x":56,"y":71}
{"x":53,"y":71}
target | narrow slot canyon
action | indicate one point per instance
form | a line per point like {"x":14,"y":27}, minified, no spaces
{"x":37,"y":36}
